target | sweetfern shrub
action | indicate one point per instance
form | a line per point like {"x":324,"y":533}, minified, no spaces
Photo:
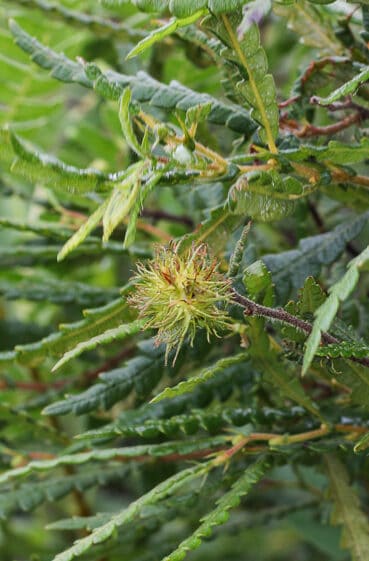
{"x":184,"y":368}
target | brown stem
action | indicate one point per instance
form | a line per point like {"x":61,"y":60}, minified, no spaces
{"x":279,"y":314}
{"x":339,"y":176}
{"x":288,"y":102}
{"x":319,"y":65}
{"x":254,"y":309}
{"x":312,"y":130}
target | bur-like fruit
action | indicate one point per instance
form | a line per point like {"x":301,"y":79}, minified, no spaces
{"x":178,"y":293}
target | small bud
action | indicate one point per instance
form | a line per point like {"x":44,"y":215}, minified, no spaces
{"x":178,"y":293}
{"x":182,"y":155}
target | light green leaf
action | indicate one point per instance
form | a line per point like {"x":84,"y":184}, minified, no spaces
{"x":143,"y":192}
{"x":258,"y":283}
{"x":91,"y":223}
{"x":95,"y":322}
{"x":164,"y":31}
{"x":122,"y":200}
{"x":126,"y":123}
{"x":32,"y":164}
{"x":347,"y":89}
{"x":190,"y":384}
{"x":362,"y":443}
{"x":114,"y":334}
{"x":326,"y":313}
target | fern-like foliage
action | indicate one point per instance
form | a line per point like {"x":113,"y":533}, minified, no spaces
{"x":220,"y":514}
{"x":183,"y":232}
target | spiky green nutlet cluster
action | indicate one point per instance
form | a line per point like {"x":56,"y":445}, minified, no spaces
{"x":178,"y":293}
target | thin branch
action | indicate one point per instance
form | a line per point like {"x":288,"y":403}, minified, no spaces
{"x":288,"y":101}
{"x":312,"y":130}
{"x":251,"y":308}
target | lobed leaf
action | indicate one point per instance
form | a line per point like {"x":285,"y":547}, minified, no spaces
{"x":144,"y":88}
{"x":256,"y":87}
{"x":190,"y":384}
{"x":140,"y":374}
{"x":29,"y":496}
{"x":158,"y":493}
{"x":37,"y":166}
{"x":96,"y":321}
{"x":220,"y":514}
{"x":114,"y":334}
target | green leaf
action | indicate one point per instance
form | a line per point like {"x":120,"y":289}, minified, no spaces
{"x":126,"y":123}
{"x":144,"y":191}
{"x":140,"y":374}
{"x":213,"y":230}
{"x":144,"y":88}
{"x":258,"y":283}
{"x":345,"y":349}
{"x":362,"y":443}
{"x":122,"y":200}
{"x":104,"y":455}
{"x":256,"y":86}
{"x":80,"y":522}
{"x":96,"y":321}
{"x":310,"y":297}
{"x":56,"y":291}
{"x":334,"y":152}
{"x":347,"y":510}
{"x":79,"y":237}
{"x":325,"y":314}
{"x":190,"y":384}
{"x":29,"y":496}
{"x":159,"y":415}
{"x":264,"y":196}
{"x":220,"y":514}
{"x":37,"y":166}
{"x":197,"y":114}
{"x":98,"y":25}
{"x":311,"y":25}
{"x":158,"y":493}
{"x":61,"y":67}
{"x":349,"y":88}
{"x":290,"y":268}
{"x":184,"y":8}
{"x":276,"y":371}
{"x":164,"y":31}
{"x":212,"y":419}
{"x":114,"y":334}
